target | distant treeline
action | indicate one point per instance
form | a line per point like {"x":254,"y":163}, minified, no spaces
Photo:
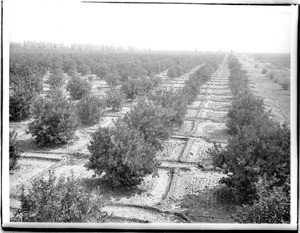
{"x":73,"y":46}
{"x":279,"y":59}
{"x":87,"y":47}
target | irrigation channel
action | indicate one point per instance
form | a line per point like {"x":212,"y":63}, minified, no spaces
{"x":185,"y":165}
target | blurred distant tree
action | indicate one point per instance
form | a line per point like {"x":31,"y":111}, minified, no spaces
{"x":101,"y":70}
{"x":24,"y":87}
{"x":56,"y":80}
{"x":112,"y":78}
{"x":78,"y":87}
{"x":84,"y":69}
{"x":114,"y":99}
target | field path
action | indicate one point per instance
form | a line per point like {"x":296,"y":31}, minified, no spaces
{"x":276,"y":99}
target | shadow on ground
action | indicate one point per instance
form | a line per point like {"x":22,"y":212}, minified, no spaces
{"x":104,"y":188}
{"x":205,"y":207}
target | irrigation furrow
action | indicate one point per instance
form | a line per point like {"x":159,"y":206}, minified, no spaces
{"x":38,"y":157}
{"x":216,"y":98}
{"x":207,"y":116}
{"x":208,"y":140}
{"x":178,"y":164}
{"x":151,"y":209}
{"x":142,"y":213}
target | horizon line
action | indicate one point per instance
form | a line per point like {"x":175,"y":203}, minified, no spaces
{"x":130,"y":48}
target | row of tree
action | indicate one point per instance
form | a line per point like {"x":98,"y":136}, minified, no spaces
{"x":257,"y":157}
{"x":103,"y":64}
{"x":125,"y":152}
{"x":56,"y":116}
{"x":133,"y":73}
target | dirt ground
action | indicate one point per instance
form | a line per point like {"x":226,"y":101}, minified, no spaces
{"x":276,"y":99}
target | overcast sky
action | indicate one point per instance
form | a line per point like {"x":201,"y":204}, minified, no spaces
{"x":162,"y":27}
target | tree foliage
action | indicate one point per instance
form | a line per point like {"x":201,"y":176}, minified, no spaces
{"x":70,"y":67}
{"x":112,"y":78}
{"x":101,"y":70}
{"x":245,"y":110}
{"x":253,"y":152}
{"x":55,"y":120}
{"x":83,"y":69}
{"x":134,"y":87}
{"x":153,"y":122}
{"x":78,"y":87}
{"x":123,"y":154}
{"x":90,"y":109}
{"x":19,"y":104}
{"x":272,"y":206}
{"x":56,"y":80}
{"x":257,"y":146}
{"x":14,"y":150}
{"x":24,"y":87}
{"x":126,"y":152}
{"x":171,"y":100}
{"x":192,"y":85}
{"x":59,"y":200}
{"x":175,"y":71}
{"x":114,"y":99}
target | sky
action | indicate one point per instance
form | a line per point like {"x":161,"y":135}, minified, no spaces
{"x":158,"y":27}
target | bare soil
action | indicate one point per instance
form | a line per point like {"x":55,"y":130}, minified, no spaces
{"x":173,"y":149}
{"x":276,"y":99}
{"x":186,"y":127}
{"x":196,"y":151}
{"x":211,"y":130}
{"x":192,"y":182}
